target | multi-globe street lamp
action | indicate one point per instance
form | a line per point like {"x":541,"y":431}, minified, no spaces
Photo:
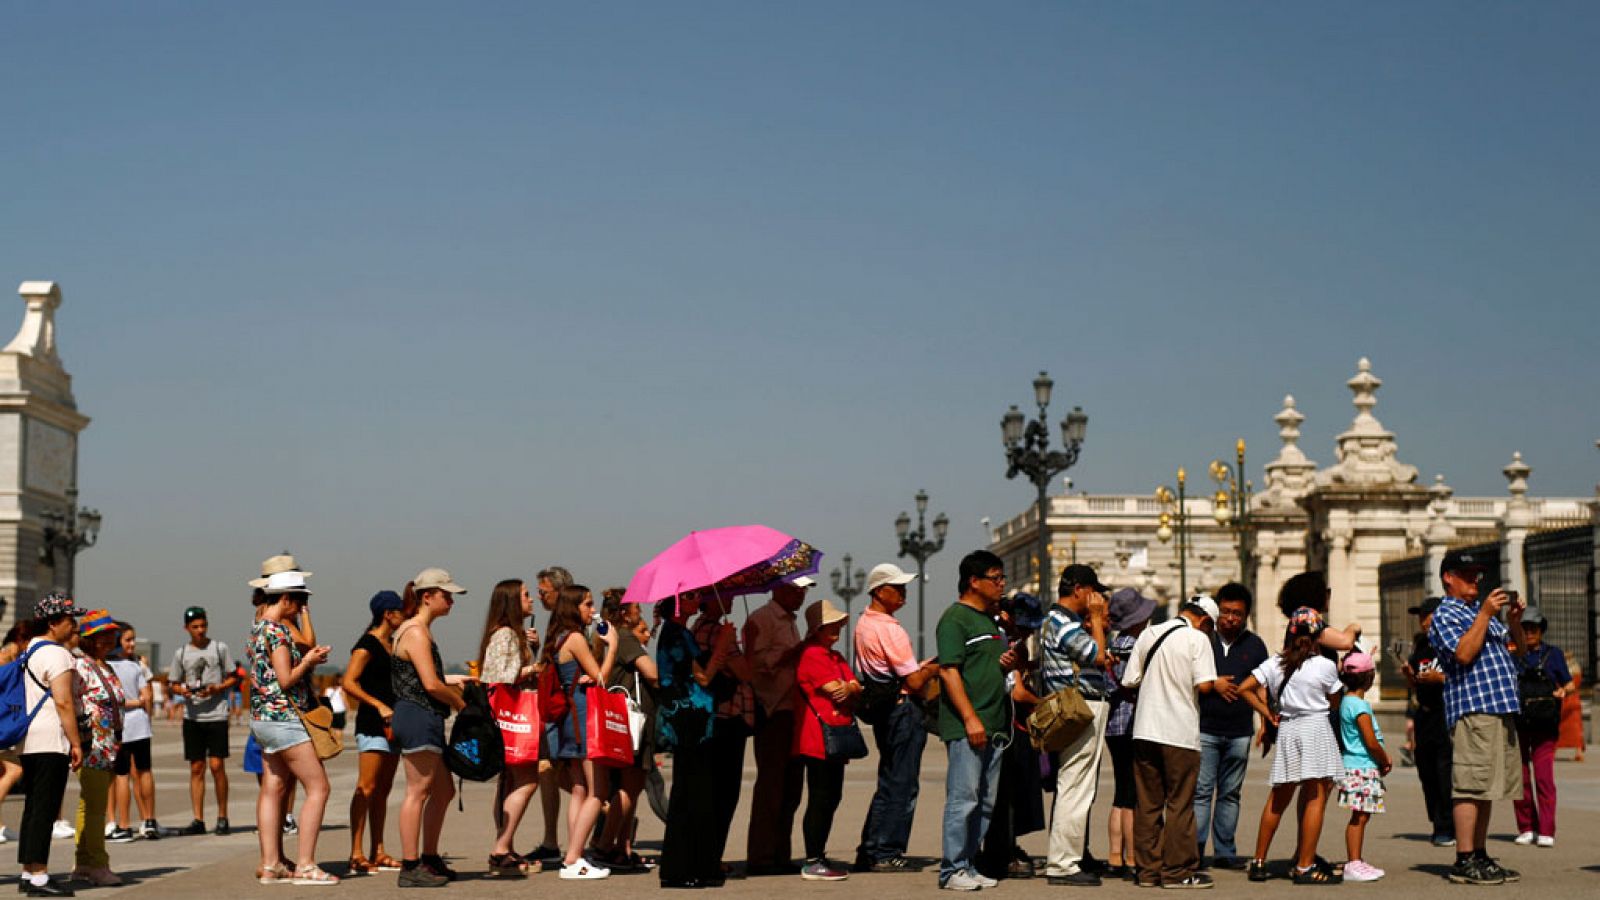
{"x":1028,"y":453}
{"x":847,"y":583}
{"x":1175,"y":523}
{"x":918,"y":546}
{"x":66,"y":533}
{"x":1231,"y":505}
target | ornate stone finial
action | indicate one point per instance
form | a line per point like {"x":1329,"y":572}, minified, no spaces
{"x":1367,"y":453}
{"x":37,"y":336}
{"x":1440,"y":530}
{"x":1289,"y":475}
{"x":1517,"y":473}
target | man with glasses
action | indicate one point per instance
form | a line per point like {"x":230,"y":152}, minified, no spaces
{"x":1073,"y":654}
{"x":974,"y":721}
{"x":1481,"y":703}
{"x":1226,"y":726}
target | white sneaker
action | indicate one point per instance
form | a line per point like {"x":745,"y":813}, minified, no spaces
{"x":1524,"y":838}
{"x":961,"y":881}
{"x":63,"y":830}
{"x":982,"y":879}
{"x":7,"y":835}
{"x":1546,"y":840}
{"x":583,"y":870}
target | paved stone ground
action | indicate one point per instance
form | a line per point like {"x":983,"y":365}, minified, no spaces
{"x":204,"y":866}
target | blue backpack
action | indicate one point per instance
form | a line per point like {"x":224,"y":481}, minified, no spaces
{"x":15,"y":716}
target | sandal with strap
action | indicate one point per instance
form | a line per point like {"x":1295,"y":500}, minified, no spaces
{"x":1314,"y":875}
{"x":383,"y":862}
{"x":1336,"y":870}
{"x":306,"y":876}
{"x":505,"y":864}
{"x":360,"y":865}
{"x":528,"y":866}
{"x":1258,"y":870}
{"x":278,"y":874}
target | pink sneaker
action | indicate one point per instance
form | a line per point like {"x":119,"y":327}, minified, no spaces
{"x":1358,"y":870}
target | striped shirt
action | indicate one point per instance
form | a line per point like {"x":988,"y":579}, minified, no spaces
{"x":1488,"y":684}
{"x":1068,"y":654}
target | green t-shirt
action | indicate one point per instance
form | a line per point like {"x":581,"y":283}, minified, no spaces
{"x":972,"y":642}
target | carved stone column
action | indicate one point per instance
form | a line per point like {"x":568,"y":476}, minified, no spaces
{"x":39,"y":427}
{"x":1514,"y":527}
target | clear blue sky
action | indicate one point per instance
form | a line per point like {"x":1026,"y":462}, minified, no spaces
{"x":498,"y":286}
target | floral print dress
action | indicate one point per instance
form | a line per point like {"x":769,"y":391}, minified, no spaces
{"x":100,"y":704}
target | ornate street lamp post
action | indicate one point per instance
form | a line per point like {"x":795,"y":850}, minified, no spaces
{"x":1175,"y":522}
{"x":916,"y":545}
{"x":1028,"y":453}
{"x":66,"y":533}
{"x":846,"y":585}
{"x":1231,"y":505}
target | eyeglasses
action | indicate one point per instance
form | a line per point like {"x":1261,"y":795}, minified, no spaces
{"x":998,"y":579}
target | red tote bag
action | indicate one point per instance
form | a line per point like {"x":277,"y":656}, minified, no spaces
{"x":607,"y":739}
{"x":516,"y":711}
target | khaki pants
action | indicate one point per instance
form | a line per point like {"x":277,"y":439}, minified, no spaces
{"x":1163,"y":818}
{"x":1076,"y":779}
{"x":94,"y":789}
{"x":1486,"y":762}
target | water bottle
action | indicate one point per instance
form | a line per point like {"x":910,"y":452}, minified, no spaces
{"x":602,"y":628}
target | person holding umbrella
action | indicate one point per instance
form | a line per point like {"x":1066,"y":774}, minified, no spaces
{"x":690,"y":857}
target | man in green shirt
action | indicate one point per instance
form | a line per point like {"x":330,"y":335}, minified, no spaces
{"x":973,"y":714}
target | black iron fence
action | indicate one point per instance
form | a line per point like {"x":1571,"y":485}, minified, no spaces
{"x":1401,"y":585}
{"x":1561,"y":583}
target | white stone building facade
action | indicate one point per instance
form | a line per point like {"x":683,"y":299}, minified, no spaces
{"x":1346,"y":520}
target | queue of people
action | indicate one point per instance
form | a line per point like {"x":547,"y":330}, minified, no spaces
{"x":1176,"y":705}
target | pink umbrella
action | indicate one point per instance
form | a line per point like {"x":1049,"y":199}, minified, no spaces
{"x":743,"y":559}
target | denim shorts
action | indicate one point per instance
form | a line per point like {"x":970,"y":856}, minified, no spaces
{"x":372,"y":743}
{"x":276,"y":737}
{"x":417,"y":730}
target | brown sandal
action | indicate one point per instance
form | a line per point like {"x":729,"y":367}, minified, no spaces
{"x":360,"y":865}
{"x":383,"y":862}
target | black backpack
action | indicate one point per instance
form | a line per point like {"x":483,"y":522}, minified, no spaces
{"x":476,"y":751}
{"x":1541,"y":710}
{"x":879,"y":697}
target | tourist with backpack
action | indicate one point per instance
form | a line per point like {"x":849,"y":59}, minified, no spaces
{"x":202,"y":673}
{"x":423,"y":698}
{"x":567,"y":650}
{"x":1544,"y":681}
{"x":51,"y":748}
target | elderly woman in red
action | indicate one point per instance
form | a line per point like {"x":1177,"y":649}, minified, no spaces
{"x":828,"y":690}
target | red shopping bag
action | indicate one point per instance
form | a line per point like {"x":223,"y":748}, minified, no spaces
{"x":516,"y":711}
{"x":607,"y":739}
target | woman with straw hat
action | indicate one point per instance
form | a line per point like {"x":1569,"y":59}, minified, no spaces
{"x":828,"y":691}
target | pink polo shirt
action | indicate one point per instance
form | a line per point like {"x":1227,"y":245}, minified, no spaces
{"x":882,"y":646}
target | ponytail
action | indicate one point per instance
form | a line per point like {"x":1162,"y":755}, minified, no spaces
{"x":409,"y":601}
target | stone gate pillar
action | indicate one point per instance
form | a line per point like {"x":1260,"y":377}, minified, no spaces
{"x":39,"y":427}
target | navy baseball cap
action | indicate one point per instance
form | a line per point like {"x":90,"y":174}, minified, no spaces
{"x":383,"y":601}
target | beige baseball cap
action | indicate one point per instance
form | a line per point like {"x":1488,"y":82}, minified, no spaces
{"x":436,"y":579}
{"x":823,"y":613}
{"x":272,"y":565}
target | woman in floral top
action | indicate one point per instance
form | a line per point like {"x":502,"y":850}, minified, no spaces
{"x":100,"y":702}
{"x":280,"y":689}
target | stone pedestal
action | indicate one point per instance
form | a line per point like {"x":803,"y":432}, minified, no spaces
{"x":39,"y":427}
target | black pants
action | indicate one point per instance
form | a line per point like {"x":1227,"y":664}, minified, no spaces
{"x":728,"y":739}
{"x":1434,"y":753}
{"x":824,"y":789}
{"x":687,"y":850}
{"x":44,"y":778}
{"x":780,"y":776}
